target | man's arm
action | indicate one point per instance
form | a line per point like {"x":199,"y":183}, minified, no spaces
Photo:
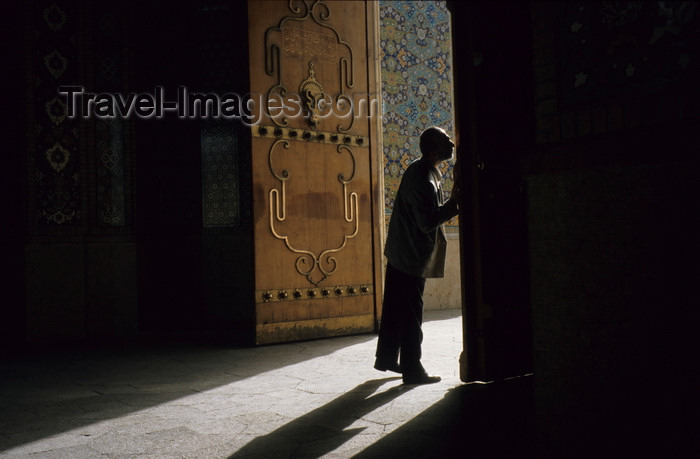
{"x":427,"y":214}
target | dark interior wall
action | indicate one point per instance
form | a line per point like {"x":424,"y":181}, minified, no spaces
{"x":168,"y":161}
{"x":612,"y":237}
{"x":613,"y":271}
{"x":130,"y":231}
{"x":77,"y":266}
{"x":12,"y":201}
{"x":193,"y":175}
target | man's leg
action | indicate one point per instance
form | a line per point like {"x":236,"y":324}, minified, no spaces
{"x":389,"y":329}
{"x":411,"y":323}
{"x":412,"y":332}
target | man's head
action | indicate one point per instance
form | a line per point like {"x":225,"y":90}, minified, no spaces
{"x":436,"y":145}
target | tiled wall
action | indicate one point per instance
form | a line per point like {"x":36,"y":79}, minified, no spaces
{"x":416,"y":70}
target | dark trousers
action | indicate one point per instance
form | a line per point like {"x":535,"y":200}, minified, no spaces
{"x":402,"y":318}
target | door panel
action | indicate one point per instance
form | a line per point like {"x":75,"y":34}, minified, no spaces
{"x":504,"y":103}
{"x":496,"y":126}
{"x":313,"y":210}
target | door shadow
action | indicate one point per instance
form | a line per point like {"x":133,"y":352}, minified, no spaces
{"x":493,"y":420}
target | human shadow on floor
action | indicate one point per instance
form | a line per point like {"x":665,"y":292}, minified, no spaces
{"x":323,"y":429}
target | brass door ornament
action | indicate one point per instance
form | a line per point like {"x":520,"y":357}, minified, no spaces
{"x":312,"y":93}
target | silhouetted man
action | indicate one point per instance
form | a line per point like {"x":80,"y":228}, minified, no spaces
{"x":415,"y":250}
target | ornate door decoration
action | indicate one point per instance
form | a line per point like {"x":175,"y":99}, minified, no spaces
{"x":313,"y":169}
{"x":313,"y":103}
{"x":323,"y":44}
{"x":307,"y":262}
{"x":312,"y":96}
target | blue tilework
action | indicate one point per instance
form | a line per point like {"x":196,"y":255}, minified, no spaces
{"x":416,"y":69}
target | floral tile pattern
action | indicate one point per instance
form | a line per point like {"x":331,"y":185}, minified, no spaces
{"x":416,"y":69}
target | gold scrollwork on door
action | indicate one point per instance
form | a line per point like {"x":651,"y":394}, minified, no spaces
{"x":316,"y":268}
{"x":297,"y":42}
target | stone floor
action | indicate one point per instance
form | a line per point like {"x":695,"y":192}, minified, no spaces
{"x":311,"y":399}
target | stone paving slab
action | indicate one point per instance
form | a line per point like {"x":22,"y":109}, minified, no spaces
{"x":312,"y":399}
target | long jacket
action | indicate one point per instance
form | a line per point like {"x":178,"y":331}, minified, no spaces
{"x":416,"y":242}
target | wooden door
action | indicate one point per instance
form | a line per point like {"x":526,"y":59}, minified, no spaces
{"x":315,"y":176}
{"x":495,"y":122}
